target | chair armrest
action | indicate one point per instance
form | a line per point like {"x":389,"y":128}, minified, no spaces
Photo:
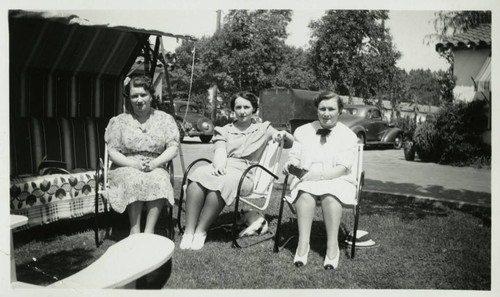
{"x":248,"y":170}
{"x":191,"y":166}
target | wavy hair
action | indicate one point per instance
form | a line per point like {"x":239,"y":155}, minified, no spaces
{"x":139,"y":82}
{"x":326,"y":95}
{"x":254,"y":100}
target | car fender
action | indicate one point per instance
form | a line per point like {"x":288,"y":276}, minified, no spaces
{"x":358,"y":128}
{"x":391,"y":134}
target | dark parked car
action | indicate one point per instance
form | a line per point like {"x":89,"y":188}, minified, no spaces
{"x":370,"y":127}
{"x":190,"y":120}
{"x":289,"y":108}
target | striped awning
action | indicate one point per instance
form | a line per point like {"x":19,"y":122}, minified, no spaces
{"x":483,"y":78}
{"x":60,"y":42}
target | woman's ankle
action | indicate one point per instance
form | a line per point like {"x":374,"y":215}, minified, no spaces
{"x":332,"y":250}
{"x":302,"y":247}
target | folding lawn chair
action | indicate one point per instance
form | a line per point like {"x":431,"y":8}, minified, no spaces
{"x":102,"y":189}
{"x":259,"y":198}
{"x":358,"y":173}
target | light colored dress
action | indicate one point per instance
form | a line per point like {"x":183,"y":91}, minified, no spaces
{"x":339,"y":149}
{"x":244,"y":148}
{"x":143,"y":142}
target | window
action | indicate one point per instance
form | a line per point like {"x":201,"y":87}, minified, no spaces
{"x":375,"y":114}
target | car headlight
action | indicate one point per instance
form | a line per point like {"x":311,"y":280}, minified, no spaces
{"x":204,"y":125}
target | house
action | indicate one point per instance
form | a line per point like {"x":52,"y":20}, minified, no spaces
{"x":472,"y":66}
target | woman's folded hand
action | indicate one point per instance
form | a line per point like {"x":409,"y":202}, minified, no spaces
{"x":219,"y":171}
{"x":139,"y":165}
{"x":150,"y":166}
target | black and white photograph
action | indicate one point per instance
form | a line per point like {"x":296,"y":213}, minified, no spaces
{"x":259,"y":148}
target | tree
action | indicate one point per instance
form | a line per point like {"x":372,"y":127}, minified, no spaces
{"x":295,"y":71}
{"x":449,"y":23}
{"x":424,"y":86}
{"x":352,"y":51}
{"x":248,"y":50}
{"x":181,"y":75}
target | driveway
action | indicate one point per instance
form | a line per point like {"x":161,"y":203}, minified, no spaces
{"x":387,"y":172}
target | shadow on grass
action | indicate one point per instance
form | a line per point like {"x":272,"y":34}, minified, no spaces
{"x":438,"y":192}
{"x":411,"y":207}
{"x":54,"y":266}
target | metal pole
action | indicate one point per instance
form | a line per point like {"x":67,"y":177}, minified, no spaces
{"x":171,"y":99}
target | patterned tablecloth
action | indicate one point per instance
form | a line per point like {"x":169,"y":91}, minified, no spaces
{"x":50,"y":198}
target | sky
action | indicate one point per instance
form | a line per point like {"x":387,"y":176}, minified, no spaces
{"x":408,"y":28}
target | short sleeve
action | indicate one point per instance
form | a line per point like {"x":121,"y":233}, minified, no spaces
{"x":171,"y":130}
{"x":112,"y":135}
{"x":220,"y":134}
{"x":347,"y":152}
{"x":296,"y":149}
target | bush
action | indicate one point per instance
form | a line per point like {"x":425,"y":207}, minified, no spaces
{"x":408,"y":125}
{"x":454,"y":136}
{"x":426,"y":140}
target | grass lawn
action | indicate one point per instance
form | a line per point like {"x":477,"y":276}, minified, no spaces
{"x":422,"y":245}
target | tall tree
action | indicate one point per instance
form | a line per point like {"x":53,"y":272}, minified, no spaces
{"x":295,"y":71}
{"x":352,"y":51}
{"x":248,"y":50}
{"x":424,"y":86}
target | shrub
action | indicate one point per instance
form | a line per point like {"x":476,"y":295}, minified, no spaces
{"x":454,"y":135}
{"x":408,"y":125}
{"x":426,"y":140}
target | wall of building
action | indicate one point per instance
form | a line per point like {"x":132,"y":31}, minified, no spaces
{"x":468,"y":62}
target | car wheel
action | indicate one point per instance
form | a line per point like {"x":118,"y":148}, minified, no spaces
{"x":205,"y":138}
{"x":181,"y":131}
{"x":398,"y":141}
{"x":361,"y":138}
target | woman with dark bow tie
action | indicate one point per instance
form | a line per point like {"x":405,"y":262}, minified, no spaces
{"x":325,"y":148}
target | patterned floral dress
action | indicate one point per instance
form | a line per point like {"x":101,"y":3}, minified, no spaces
{"x":143,"y":142}
{"x":244,"y":148}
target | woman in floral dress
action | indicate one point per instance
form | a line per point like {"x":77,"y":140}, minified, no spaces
{"x":236,"y":146}
{"x":141,"y":142}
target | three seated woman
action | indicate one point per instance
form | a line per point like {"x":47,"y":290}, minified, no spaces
{"x":144,"y":139}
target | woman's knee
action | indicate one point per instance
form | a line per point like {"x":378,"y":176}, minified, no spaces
{"x":330,"y":201}
{"x":155,"y":204}
{"x":305,"y":199}
{"x":195,"y":190}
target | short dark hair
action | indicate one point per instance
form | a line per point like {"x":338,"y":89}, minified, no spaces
{"x":254,"y":100}
{"x":326,"y":95}
{"x":139,"y":82}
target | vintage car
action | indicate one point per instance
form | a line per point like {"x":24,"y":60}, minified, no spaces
{"x":370,"y":127}
{"x":190,"y":120}
{"x":289,"y":108}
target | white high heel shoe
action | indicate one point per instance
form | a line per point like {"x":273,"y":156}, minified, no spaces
{"x":330,"y":264}
{"x":300,"y":261}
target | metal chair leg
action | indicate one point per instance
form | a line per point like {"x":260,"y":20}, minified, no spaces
{"x":280,"y":216}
